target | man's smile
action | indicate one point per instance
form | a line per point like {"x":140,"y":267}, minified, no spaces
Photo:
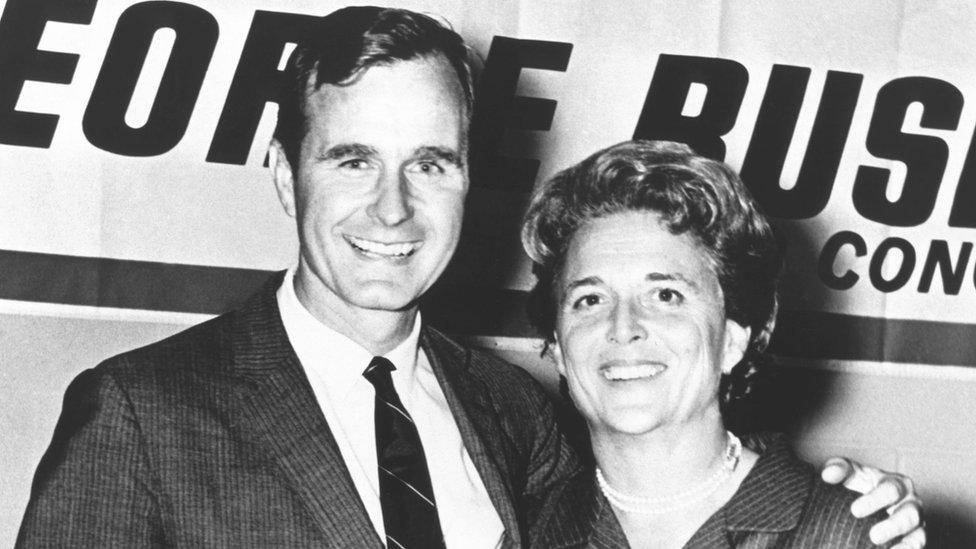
{"x":374,"y":249}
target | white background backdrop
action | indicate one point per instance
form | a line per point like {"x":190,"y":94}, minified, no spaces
{"x":75,"y":199}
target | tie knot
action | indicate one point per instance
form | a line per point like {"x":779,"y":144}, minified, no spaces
{"x":378,"y":372}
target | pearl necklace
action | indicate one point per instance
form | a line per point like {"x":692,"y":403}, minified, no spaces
{"x":681,"y":500}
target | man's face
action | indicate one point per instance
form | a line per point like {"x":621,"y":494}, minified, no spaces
{"x":379,"y":188}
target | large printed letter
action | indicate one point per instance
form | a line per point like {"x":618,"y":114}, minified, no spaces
{"x":875,"y":271}
{"x":256,"y":82}
{"x":662,"y":116}
{"x":763,"y":165}
{"x":196,"y":35}
{"x":21,"y":27}
{"x":825,"y":267}
{"x":964,"y":204}
{"x":498,"y":109}
{"x":924,"y":156}
{"x":952,"y":277}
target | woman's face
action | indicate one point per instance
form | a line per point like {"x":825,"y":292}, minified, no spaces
{"x":641,"y":332}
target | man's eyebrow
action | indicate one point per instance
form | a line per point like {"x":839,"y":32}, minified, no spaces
{"x":443,"y":154}
{"x":345,"y":150}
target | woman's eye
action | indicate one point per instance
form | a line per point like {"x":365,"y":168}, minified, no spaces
{"x":669,"y":296}
{"x":586,"y":301}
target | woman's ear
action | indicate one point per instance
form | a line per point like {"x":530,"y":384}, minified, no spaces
{"x":557,"y":356}
{"x":736,"y":343}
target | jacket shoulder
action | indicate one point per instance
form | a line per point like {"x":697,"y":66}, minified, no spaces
{"x":783,"y":502}
{"x":254,"y":328}
{"x":827,"y":518}
{"x":500,"y":377}
{"x":206,"y":344}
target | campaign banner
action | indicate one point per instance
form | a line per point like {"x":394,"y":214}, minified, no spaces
{"x":133,"y":146}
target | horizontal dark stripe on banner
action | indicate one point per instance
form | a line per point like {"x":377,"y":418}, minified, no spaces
{"x":820,"y":335}
{"x":462,"y":310}
{"x":124,"y":284}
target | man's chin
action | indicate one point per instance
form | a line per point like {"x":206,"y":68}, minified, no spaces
{"x":386,"y":296}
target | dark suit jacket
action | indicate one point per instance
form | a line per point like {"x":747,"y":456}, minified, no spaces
{"x":782,"y":503}
{"x":214,"y":438}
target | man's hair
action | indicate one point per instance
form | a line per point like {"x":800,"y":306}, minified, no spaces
{"x":347,"y":42}
{"x":692,"y":195}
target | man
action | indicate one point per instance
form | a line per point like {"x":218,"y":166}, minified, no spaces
{"x":257,"y":428}
{"x":323,"y":412}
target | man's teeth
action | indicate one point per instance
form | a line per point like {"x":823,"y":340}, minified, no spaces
{"x":397,"y":249}
{"x":626,"y":372}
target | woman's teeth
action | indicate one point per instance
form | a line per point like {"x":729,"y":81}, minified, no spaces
{"x":626,"y":372}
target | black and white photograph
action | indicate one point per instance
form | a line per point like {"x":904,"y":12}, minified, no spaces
{"x":454,"y":274}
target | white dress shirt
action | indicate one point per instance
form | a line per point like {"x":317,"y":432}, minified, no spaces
{"x":334,"y":365}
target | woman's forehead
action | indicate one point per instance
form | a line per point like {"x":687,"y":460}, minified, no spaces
{"x":635,"y":244}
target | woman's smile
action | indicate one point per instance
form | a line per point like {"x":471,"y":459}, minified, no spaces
{"x":631,"y":370}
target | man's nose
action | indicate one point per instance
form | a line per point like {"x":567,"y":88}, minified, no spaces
{"x":625,"y":325}
{"x":392,"y":203}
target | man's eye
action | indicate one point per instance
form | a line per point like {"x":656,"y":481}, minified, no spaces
{"x":354,"y":164}
{"x":586,"y":301}
{"x":669,"y":296}
{"x":428,"y":168}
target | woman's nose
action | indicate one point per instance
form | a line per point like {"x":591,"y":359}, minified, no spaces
{"x":625,"y":326}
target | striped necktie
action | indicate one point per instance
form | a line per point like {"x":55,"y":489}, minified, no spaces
{"x":409,"y":511}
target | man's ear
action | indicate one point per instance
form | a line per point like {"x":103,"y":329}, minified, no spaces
{"x":284,"y":179}
{"x":557,"y":356}
{"x":736,"y":343}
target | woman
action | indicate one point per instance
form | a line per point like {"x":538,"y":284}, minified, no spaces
{"x":657,"y":281}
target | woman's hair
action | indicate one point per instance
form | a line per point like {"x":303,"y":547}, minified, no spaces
{"x":692,"y":194}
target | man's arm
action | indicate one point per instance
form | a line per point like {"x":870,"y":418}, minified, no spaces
{"x":93,"y":487}
{"x":882,"y":490}
{"x":551,"y":460}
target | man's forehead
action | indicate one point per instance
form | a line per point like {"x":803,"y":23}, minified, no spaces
{"x":394,"y":90}
{"x":399,"y":106}
{"x":435,"y":68}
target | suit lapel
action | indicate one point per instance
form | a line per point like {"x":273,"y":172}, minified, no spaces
{"x":282,"y":416}
{"x":477,"y":421}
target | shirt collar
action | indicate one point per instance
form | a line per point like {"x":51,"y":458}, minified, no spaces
{"x":331,"y":353}
{"x":404,"y":355}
